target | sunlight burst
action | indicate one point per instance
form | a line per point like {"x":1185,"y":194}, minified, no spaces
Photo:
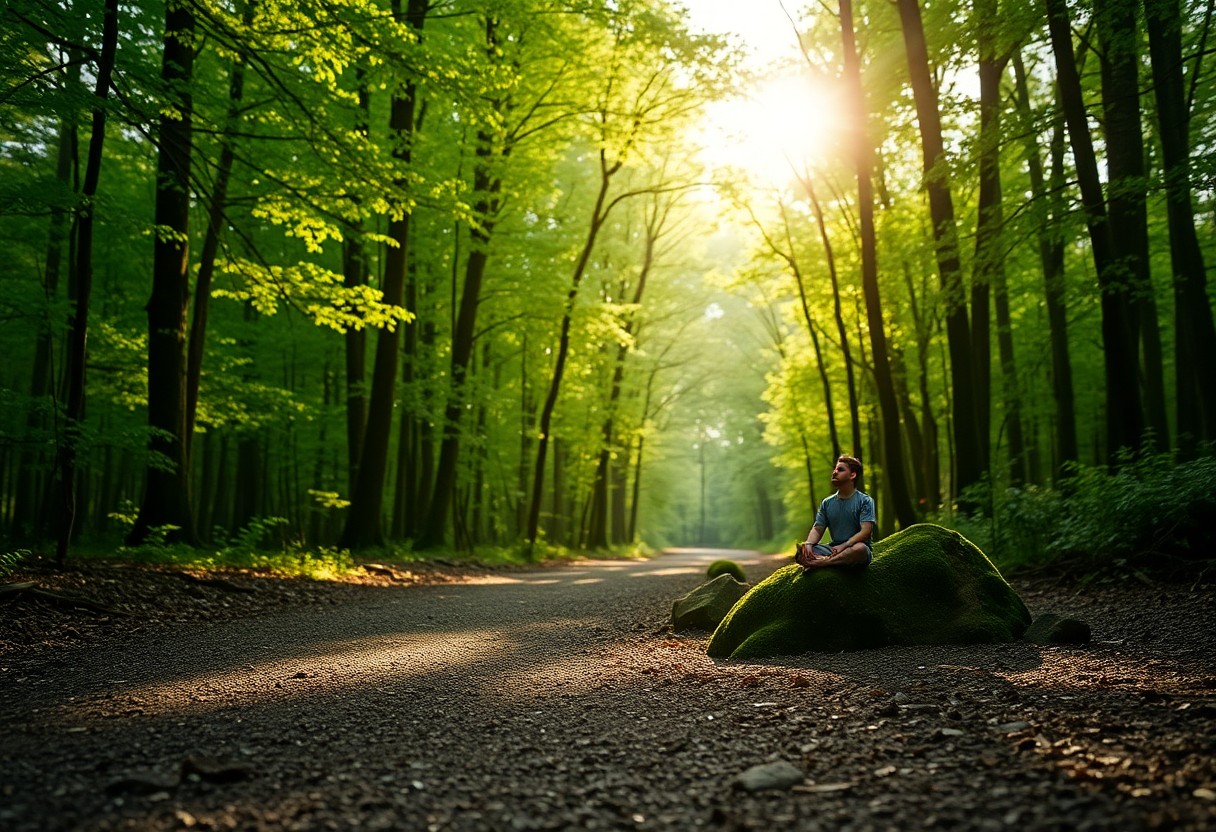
{"x":788,"y":123}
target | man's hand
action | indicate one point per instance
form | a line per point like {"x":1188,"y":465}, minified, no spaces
{"x":803,"y":556}
{"x":818,"y":562}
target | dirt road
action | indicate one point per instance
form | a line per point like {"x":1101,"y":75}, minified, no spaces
{"x":557,"y":700}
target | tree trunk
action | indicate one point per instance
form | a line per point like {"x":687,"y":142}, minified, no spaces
{"x":78,"y":333}
{"x":1195,"y":340}
{"x":167,"y":481}
{"x":1124,"y":415}
{"x":211,"y":240}
{"x":988,"y":268}
{"x":32,"y":463}
{"x":990,"y":258}
{"x":364,"y":527}
{"x":462,"y":341}
{"x":1127,"y":185}
{"x":905,"y":513}
{"x":599,"y":215}
{"x":355,"y":274}
{"x":968,"y":453}
{"x":1051,"y":256}
{"x":846,"y":351}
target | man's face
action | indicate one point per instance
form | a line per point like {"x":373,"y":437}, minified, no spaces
{"x":841,"y":474}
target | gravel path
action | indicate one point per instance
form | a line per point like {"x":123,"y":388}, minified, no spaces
{"x":557,"y":699}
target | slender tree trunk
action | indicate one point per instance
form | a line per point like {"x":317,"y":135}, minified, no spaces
{"x":828,"y":408}
{"x":1124,"y":415}
{"x":989,"y":257}
{"x":249,"y":499}
{"x":463,"y":334}
{"x":1051,"y":255}
{"x":606,"y":475}
{"x":1195,"y":340}
{"x":208,"y":479}
{"x":78,"y":333}
{"x":363,"y":521}
{"x":599,"y":215}
{"x":905,"y":513}
{"x":988,"y":269}
{"x":33,"y":462}
{"x":969,"y":455}
{"x":841,"y":331}
{"x":355,"y":273}
{"x":211,"y":240}
{"x":1119,"y":36}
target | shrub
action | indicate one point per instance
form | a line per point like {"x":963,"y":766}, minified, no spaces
{"x":726,"y":567}
{"x":1151,"y":511}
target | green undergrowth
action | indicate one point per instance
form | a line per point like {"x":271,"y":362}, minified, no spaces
{"x":263,"y":547}
{"x":1151,"y":513}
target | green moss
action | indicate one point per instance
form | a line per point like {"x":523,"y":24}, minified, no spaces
{"x":927,"y":585}
{"x":726,"y":567}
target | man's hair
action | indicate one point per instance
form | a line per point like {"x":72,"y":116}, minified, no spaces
{"x":853,"y":462}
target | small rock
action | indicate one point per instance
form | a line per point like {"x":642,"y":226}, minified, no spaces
{"x":142,"y":782}
{"x":1052,"y":628}
{"x":951,"y":732}
{"x":706,"y":606}
{"x":778,"y":775}
{"x":824,"y":788}
{"x":215,"y":771}
{"x":1013,"y":727}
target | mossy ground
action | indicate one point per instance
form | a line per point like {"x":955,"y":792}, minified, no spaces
{"x":927,"y":585}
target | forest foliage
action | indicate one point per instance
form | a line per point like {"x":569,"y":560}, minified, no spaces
{"x":476,"y":274}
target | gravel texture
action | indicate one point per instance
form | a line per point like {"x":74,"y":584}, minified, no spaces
{"x":559,"y":699}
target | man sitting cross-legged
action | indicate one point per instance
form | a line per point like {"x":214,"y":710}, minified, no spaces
{"x":848,"y":515}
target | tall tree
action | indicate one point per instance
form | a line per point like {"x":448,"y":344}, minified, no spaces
{"x":895,"y":476}
{"x":1124,"y":414}
{"x":82,"y":283}
{"x":1127,"y":186}
{"x":492,"y":144}
{"x":1195,"y":335}
{"x":1049,"y":231}
{"x":364,"y":526}
{"x":166,"y":501}
{"x":969,"y":456}
{"x":989,"y":270}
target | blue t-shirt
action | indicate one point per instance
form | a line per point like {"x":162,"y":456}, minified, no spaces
{"x":843,"y":517}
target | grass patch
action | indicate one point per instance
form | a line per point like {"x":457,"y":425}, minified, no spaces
{"x":263,"y":546}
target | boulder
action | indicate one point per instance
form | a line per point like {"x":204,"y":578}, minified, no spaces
{"x":705,"y":606}
{"x":1052,"y":628}
{"x":927,"y":585}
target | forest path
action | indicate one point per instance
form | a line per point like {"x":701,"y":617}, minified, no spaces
{"x":554,"y":699}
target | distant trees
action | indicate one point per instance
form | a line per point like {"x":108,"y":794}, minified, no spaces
{"x":352,"y":166}
{"x":373,"y":272}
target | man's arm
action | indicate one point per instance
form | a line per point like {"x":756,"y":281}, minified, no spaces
{"x":814,"y":535}
{"x":850,"y":552}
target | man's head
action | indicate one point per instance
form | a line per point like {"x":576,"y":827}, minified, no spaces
{"x":847,"y":470}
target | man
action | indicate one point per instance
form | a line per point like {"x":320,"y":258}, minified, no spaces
{"x":848,"y":515}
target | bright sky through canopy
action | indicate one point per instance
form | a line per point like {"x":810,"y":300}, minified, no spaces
{"x":785,"y":120}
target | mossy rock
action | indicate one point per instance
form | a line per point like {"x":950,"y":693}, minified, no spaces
{"x":927,"y":585}
{"x":1053,"y":628}
{"x":726,"y":567}
{"x":706,"y":606}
